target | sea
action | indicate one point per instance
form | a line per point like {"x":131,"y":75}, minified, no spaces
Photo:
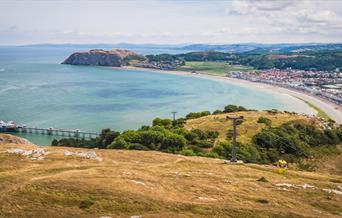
{"x":39,"y":91}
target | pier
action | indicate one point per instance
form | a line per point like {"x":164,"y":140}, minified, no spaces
{"x":12,"y":127}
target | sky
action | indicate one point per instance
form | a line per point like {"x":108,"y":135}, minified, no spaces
{"x":170,"y":22}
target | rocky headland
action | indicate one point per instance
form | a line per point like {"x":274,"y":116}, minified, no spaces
{"x":100,"y":57}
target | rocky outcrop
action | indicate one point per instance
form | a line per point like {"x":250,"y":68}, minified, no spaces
{"x":11,"y":139}
{"x":100,"y":57}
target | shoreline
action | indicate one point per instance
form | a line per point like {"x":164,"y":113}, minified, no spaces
{"x":333,"y":110}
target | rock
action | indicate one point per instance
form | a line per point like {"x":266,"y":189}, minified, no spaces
{"x":135,"y":216}
{"x":36,"y":154}
{"x":305,"y":186}
{"x":99,"y":159}
{"x":15,"y":151}
{"x":285,"y":185}
{"x":100,"y":57}
{"x":206,"y":199}
{"x":333,"y":191}
{"x":138,"y":182}
{"x":88,"y":155}
{"x":68,"y":153}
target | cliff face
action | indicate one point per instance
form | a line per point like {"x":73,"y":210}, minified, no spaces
{"x":99,"y":57}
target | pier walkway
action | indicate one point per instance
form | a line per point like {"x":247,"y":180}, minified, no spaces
{"x":49,"y":131}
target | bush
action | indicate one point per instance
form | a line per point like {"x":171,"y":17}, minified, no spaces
{"x":136,"y":146}
{"x":217,"y":112}
{"x":223,"y":149}
{"x":167,"y":123}
{"x":172,"y":142}
{"x":193,"y":115}
{"x":233,"y":108}
{"x":265,"y":121}
{"x":187,"y":152}
{"x":293,"y":141}
{"x":118,"y":143}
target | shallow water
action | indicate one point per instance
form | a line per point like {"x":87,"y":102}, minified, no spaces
{"x":37,"y":90}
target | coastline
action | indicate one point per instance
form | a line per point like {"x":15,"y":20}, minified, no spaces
{"x":334,"y":111}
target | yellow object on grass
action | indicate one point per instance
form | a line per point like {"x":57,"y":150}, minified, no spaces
{"x":282,"y":166}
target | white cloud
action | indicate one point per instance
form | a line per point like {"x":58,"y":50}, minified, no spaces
{"x":169,"y":22}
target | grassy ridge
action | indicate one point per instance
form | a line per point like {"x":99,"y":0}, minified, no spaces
{"x":247,"y":129}
{"x":154,"y":184}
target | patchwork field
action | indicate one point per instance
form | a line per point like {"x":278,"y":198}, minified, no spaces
{"x":214,"y":68}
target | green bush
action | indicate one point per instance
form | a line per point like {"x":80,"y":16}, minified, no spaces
{"x":233,"y":108}
{"x":265,"y":121}
{"x":118,"y":143}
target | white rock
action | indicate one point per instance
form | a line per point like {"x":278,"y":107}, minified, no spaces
{"x":206,"y":199}
{"x":37,"y":152}
{"x":99,"y":159}
{"x":15,"y":151}
{"x":139,"y":182}
{"x":68,"y":153}
{"x":333,"y":191}
{"x":40,"y":158}
{"x":135,"y":216}
{"x":285,"y":184}
{"x":305,"y":186}
{"x":27,"y":153}
{"x":88,"y":155}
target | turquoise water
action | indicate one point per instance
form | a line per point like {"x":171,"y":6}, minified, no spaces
{"x":37,"y":90}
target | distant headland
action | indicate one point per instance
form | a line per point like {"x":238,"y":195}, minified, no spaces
{"x":100,"y":57}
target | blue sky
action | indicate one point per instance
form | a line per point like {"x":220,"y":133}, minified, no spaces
{"x":169,"y":22}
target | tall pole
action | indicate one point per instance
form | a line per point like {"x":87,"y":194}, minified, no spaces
{"x":234,"y":119}
{"x":234,"y":142}
{"x":174,"y":116}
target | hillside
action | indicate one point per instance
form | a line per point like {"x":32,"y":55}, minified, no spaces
{"x":121,"y":183}
{"x":248,"y":128}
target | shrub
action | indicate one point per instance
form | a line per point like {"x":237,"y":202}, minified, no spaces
{"x":136,"y":146}
{"x":233,"y":108}
{"x":265,"y":121}
{"x":217,"y":112}
{"x":223,"y":149}
{"x":187,"y":152}
{"x":118,"y":143}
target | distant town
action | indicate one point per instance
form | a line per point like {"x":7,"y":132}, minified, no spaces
{"x":324,"y":84}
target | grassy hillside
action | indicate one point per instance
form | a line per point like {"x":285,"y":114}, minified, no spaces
{"x":210,"y":67}
{"x":154,"y":184}
{"x":248,"y":128}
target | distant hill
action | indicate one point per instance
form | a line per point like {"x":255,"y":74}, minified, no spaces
{"x":234,"y":48}
{"x":100,"y":57}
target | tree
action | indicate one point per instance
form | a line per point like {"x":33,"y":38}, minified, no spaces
{"x":265,"y":121}
{"x":172,"y":142}
{"x":118,"y":143}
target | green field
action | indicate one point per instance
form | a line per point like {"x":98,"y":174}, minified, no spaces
{"x":215,"y":68}
{"x":320,"y":113}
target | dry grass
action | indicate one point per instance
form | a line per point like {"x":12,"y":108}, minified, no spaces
{"x":153,"y":184}
{"x":247,"y":129}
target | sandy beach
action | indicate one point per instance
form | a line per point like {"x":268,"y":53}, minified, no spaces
{"x":334,"y":111}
